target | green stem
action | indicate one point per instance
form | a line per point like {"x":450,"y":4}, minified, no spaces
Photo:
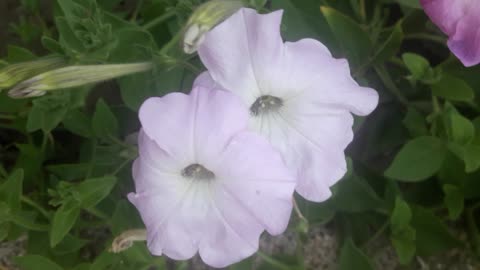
{"x":274,"y":262}
{"x":167,"y":15}
{"x":36,"y":206}
{"x":426,"y":36}
{"x":6,"y":117}
{"x":136,"y":11}
{"x":97,"y":213}
{"x":436,"y":105}
{"x":473,"y":228}
{"x":377,"y":234}
{"x":389,"y":84}
{"x":174,"y":41}
{"x":92,"y":158}
{"x":123,"y":164}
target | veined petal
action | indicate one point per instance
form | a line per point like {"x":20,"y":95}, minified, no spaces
{"x":460,"y":20}
{"x":214,"y":129}
{"x":175,"y":111}
{"x":241,"y":51}
{"x":317,"y":76}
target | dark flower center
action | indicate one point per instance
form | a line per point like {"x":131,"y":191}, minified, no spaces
{"x":265,"y":104}
{"x":197,"y":171}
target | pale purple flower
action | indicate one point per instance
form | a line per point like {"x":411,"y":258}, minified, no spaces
{"x":203,"y":182}
{"x":460,"y":20}
{"x":299,"y":96}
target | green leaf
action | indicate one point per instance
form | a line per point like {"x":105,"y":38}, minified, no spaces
{"x":415,"y":123}
{"x":63,"y":220}
{"x":105,"y":260}
{"x":69,"y":244}
{"x":355,"y":195}
{"x":104,"y":123}
{"x":453,"y":88}
{"x":459,"y":128}
{"x":410,"y":3}
{"x":391,"y":46}
{"x":404,"y":243}
{"x":418,"y":66}
{"x":26,"y":219}
{"x":91,"y":191}
{"x":471,"y":157}
{"x":18,"y":54}
{"x":11,"y":190}
{"x":453,"y":200}
{"x":352,"y":38}
{"x":52,"y":45}
{"x":433,"y":236}
{"x":78,"y":123}
{"x":401,"y":215}
{"x":36,"y":262}
{"x":418,"y":160}
{"x":246,"y":264}
{"x":48,"y":111}
{"x":352,"y":257}
{"x":135,"y":89}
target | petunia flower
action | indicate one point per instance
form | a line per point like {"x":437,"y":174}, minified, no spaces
{"x":203,"y":182}
{"x":299,"y":96}
{"x":460,"y":20}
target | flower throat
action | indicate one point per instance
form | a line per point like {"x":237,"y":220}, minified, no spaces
{"x":198,"y":172}
{"x":266,"y":104}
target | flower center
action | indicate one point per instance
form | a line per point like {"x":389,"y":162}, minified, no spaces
{"x":197,"y":171}
{"x":265,"y":104}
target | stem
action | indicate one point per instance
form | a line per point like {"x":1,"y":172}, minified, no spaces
{"x":136,"y":11}
{"x":363,"y":14}
{"x":473,"y":228}
{"x":389,"y":84}
{"x":174,"y":41}
{"x":125,"y":162}
{"x":298,"y":211}
{"x":36,"y":206}
{"x":274,"y":262}
{"x":99,"y":214}
{"x":6,"y":117}
{"x":167,"y":15}
{"x":426,"y":36}
{"x":92,"y":158}
{"x":436,"y":105}
{"x":377,"y":234}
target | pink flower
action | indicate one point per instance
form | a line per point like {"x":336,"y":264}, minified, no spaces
{"x":460,"y":20}
{"x":299,"y":96}
{"x":203,"y":183}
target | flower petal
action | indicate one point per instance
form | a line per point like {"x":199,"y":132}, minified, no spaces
{"x":169,"y":122}
{"x":460,"y":20}
{"x":322,"y":79}
{"x":241,"y":49}
{"x":257,"y":180}
{"x":220,"y":115}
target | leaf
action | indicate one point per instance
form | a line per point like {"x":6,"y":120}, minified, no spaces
{"x":78,"y":123}
{"x":452,"y":88}
{"x":419,"y":159}
{"x":135,"y":89}
{"x":401,"y":215}
{"x":433,"y":236}
{"x":11,"y":190}
{"x":454,"y":201}
{"x":52,"y":45}
{"x":90,"y":192}
{"x":391,"y":46}
{"x":48,"y":111}
{"x":404,"y":243}
{"x":104,"y":260}
{"x":353,"y":258}
{"x":26,"y":219}
{"x":18,"y":54}
{"x":36,"y":262}
{"x":69,"y":244}
{"x":410,"y":3}
{"x":415,"y":123}
{"x":63,"y":220}
{"x":459,"y":128}
{"x":354,"y":195}
{"x":418,"y":66}
{"x":352,"y":38}
{"x":104,"y":123}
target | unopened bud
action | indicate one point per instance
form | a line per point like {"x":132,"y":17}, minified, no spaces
{"x":205,"y":17}
{"x":125,"y":240}
{"x":12,"y":74}
{"x":74,"y":76}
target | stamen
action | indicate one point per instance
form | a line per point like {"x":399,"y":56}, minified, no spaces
{"x":197,"y":171}
{"x":265,"y":104}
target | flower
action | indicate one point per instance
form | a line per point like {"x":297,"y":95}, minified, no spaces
{"x":203,"y":182}
{"x":460,"y":20}
{"x":204,"y":18}
{"x":299,"y":96}
{"x":73,"y":76}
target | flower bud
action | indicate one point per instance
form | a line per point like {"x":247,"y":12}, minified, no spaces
{"x":205,"y":17}
{"x":74,"y":76}
{"x":12,"y":74}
